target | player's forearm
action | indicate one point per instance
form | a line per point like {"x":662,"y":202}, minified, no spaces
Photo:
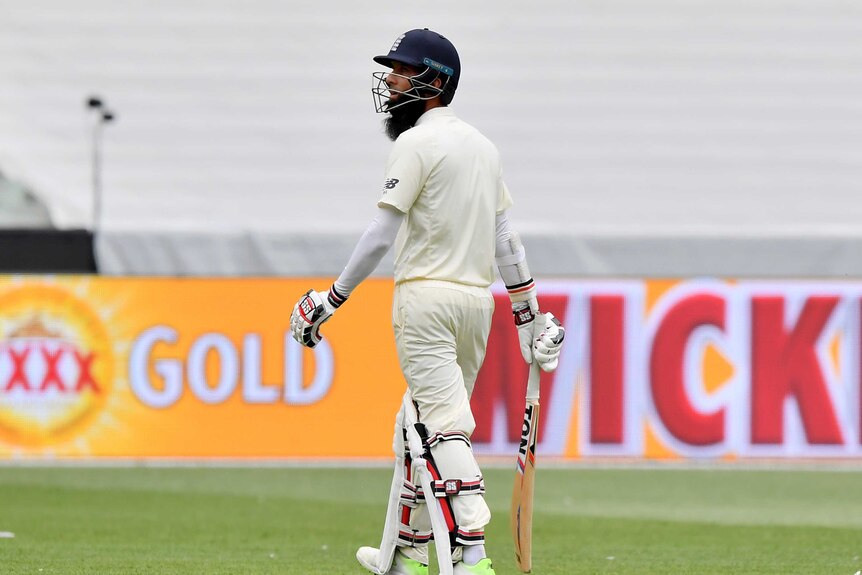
{"x":512,"y":263}
{"x":372,"y":246}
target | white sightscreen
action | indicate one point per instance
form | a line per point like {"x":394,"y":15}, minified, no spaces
{"x":639,"y":137}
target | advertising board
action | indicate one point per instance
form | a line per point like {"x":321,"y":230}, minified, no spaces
{"x":94,"y":367}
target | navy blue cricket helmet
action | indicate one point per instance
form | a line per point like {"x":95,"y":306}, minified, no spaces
{"x":428,"y":51}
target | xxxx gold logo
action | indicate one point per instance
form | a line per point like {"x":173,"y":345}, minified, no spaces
{"x":56,"y":365}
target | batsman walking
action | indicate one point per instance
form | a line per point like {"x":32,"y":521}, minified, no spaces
{"x":443,"y":205}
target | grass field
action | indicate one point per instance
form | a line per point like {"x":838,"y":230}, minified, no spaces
{"x":310,"y":521}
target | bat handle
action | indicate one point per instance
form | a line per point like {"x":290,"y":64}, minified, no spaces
{"x":533,"y":382}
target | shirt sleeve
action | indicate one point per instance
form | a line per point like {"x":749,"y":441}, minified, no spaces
{"x":372,"y":246}
{"x":504,"y":198}
{"x":406,"y":173}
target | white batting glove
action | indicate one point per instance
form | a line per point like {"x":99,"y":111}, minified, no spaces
{"x":310,"y":312}
{"x":549,"y":343}
{"x":524,"y":313}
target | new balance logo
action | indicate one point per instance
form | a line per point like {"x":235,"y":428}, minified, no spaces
{"x":390,"y":183}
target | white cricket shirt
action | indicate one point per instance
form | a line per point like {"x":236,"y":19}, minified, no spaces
{"x":447,"y":178}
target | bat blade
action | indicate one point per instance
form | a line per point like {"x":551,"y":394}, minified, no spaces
{"x":521,"y":518}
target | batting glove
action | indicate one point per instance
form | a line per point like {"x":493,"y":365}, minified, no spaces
{"x":310,"y":312}
{"x":524,"y":313}
{"x":549,"y":342}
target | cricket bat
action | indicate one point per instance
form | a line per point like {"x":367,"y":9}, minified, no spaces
{"x":521,"y":518}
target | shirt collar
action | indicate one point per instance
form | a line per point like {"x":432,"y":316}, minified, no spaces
{"x":438,"y":112}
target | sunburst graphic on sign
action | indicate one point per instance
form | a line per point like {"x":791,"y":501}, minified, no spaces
{"x":59,"y":374}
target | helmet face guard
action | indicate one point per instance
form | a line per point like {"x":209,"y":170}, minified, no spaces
{"x":420,"y":90}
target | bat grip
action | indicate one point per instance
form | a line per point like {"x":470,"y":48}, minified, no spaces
{"x":535,"y":372}
{"x":533,"y":382}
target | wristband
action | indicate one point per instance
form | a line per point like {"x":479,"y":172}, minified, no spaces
{"x":523,"y":291}
{"x":334,"y":298}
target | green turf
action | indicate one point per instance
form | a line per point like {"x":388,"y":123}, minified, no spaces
{"x":310,"y":521}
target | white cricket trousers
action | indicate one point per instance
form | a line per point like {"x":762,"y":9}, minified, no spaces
{"x":441,"y":334}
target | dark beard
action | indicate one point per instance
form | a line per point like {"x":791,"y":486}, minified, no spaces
{"x":403,"y":118}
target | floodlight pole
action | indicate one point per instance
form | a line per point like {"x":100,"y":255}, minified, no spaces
{"x":104,"y":116}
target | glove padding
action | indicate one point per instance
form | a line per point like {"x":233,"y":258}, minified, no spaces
{"x":310,"y":312}
{"x":548,"y":342}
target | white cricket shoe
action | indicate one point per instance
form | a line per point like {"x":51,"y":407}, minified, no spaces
{"x":367,"y":557}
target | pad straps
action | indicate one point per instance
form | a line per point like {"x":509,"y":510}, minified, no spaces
{"x":444,"y":489}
